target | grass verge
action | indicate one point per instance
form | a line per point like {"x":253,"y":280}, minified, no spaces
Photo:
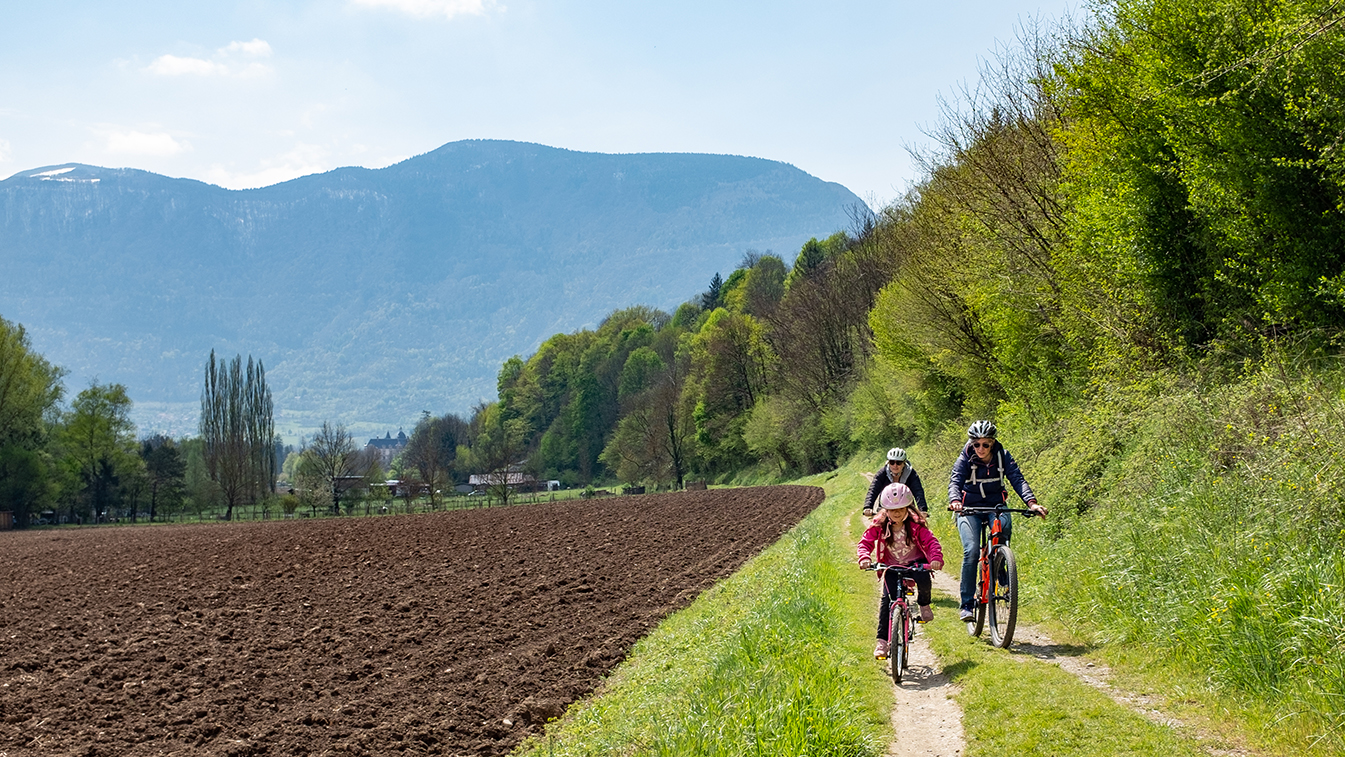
{"x":1015,"y":704}
{"x":1198,"y":529}
{"x":771,"y":661}
{"x":775,"y":660}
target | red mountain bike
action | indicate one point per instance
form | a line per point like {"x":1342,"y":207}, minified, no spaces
{"x":996,"y":578}
{"x":901,"y":615}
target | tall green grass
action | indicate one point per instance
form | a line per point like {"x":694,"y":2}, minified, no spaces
{"x":774,"y":660}
{"x":1206,"y":524}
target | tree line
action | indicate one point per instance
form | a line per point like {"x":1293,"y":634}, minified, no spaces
{"x":1158,"y":187}
{"x":83,"y":463}
{"x":756,"y":368}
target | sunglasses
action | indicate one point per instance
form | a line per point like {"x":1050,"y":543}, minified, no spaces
{"x":982,"y":445}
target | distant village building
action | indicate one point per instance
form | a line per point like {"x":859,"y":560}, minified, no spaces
{"x":388,"y":447}
{"x":399,"y":488}
{"x":515,"y":478}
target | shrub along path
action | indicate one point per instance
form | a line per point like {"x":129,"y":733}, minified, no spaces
{"x":454,"y":633}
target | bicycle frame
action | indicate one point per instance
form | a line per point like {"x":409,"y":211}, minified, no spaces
{"x":989,"y":545}
{"x":901,"y":615}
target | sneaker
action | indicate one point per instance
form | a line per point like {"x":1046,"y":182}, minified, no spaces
{"x":968,"y":616}
{"x":926,"y":613}
{"x":880,"y":651}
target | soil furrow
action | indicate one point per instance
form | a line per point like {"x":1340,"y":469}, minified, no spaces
{"x":450,"y":633}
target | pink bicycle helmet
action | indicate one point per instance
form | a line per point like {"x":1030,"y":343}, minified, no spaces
{"x":896,"y":496}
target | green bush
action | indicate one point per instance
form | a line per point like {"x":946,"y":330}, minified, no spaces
{"x":1206,"y":519}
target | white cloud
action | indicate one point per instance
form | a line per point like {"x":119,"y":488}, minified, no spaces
{"x":424,"y":8}
{"x":303,"y":160}
{"x":223,"y":63}
{"x":172,"y":65}
{"x":140,"y":143}
{"x":256,"y":47}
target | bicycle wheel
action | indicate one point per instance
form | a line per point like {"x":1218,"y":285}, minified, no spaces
{"x":898,"y":624}
{"x":1004,"y":603}
{"x":977,"y":623}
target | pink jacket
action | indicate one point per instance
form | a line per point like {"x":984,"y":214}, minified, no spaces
{"x":920,"y":533}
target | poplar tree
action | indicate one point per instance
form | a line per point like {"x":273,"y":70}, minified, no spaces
{"x":238,"y":429}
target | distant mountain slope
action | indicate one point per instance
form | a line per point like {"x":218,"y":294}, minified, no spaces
{"x":374,"y":294}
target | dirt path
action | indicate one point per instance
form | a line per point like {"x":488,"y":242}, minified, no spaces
{"x":928,"y":721}
{"x":926,"y":718}
{"x":1028,"y":640}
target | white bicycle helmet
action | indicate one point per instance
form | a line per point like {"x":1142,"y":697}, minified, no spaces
{"x":896,"y":455}
{"x":981,"y":430}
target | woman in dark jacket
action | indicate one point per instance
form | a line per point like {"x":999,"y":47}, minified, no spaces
{"x":979,"y":479}
{"x":898,"y":470}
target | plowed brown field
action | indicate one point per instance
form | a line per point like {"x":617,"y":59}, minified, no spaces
{"x":455,"y":633}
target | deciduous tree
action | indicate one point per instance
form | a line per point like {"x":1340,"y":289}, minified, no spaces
{"x":166,"y":472}
{"x":332,"y":459}
{"x":498,"y":450}
{"x":433,"y":450}
{"x":30,"y":390}
{"x":98,"y":441}
{"x":30,"y":393}
{"x":653,"y":440}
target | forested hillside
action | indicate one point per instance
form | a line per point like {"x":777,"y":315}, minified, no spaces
{"x":1128,"y":250}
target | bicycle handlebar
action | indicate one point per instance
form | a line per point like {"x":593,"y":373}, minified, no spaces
{"x":996,"y":510}
{"x":913,"y":570}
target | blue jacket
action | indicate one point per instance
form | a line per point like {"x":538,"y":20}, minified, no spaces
{"x":977,"y":484}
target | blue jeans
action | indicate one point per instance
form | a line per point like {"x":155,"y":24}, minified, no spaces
{"x":969,"y":528}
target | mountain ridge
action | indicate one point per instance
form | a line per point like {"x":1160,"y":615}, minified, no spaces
{"x":373,"y":294}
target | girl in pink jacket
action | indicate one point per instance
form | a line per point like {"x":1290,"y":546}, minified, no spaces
{"x":897,"y":537}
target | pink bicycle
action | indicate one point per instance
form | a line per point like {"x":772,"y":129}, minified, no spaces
{"x":902,"y":615}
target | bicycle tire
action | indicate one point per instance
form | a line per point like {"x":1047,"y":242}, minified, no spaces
{"x":1004,"y":602}
{"x":896,"y":648}
{"x":977,"y":624}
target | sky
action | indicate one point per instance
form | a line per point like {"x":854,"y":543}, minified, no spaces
{"x":250,"y":93}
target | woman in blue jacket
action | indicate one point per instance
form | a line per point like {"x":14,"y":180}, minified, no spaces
{"x":979,"y":479}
